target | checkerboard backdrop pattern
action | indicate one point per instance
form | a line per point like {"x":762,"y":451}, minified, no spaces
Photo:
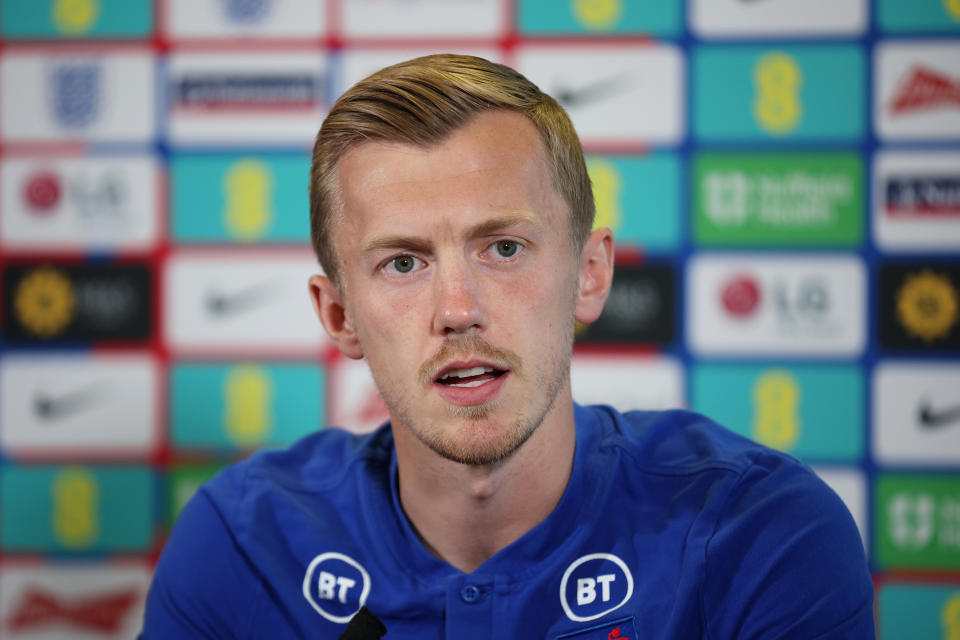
{"x":782,"y":178}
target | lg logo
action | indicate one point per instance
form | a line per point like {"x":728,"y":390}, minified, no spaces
{"x":594,"y":585}
{"x":336,"y":586}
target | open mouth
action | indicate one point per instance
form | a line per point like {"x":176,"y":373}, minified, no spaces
{"x":469,"y":377}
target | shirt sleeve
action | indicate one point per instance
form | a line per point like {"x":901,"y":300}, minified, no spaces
{"x":786,"y":561}
{"x":203,"y":585}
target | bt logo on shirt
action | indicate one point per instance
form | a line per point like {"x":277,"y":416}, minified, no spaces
{"x":594,"y":585}
{"x":336,"y":586}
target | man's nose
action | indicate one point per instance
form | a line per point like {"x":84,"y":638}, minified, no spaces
{"x":459,"y":307}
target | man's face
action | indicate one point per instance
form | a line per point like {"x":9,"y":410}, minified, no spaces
{"x":460,"y":284}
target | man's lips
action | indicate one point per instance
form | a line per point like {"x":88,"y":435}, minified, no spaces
{"x":469,"y":374}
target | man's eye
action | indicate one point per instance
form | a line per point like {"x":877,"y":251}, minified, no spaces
{"x":507,"y":248}
{"x":403,"y":264}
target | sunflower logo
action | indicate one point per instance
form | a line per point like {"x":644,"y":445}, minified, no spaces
{"x":44,"y":302}
{"x":927,"y":305}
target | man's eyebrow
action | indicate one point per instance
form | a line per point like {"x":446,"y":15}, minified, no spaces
{"x":500,"y":223}
{"x":420,"y":245}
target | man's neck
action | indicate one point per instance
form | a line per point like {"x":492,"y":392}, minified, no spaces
{"x":465,"y":514}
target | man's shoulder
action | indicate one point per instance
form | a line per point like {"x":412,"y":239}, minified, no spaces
{"x":680,"y":442}
{"x":321,"y":462}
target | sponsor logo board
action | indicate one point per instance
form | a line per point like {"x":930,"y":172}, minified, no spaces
{"x":627,"y":383}
{"x":244,"y":405}
{"x":916,"y":200}
{"x":639,"y":309}
{"x":355,"y":64}
{"x":78,"y":405}
{"x":76,"y":508}
{"x":230,"y":198}
{"x":74,"y":302}
{"x":916,"y":413}
{"x":752,"y":92}
{"x":240,"y":302}
{"x":424,"y":18}
{"x":244,"y":97}
{"x":918,"y":609}
{"x":786,"y":199}
{"x":95,"y":202}
{"x":76,"y":601}
{"x":751,"y":18}
{"x":916,"y":520}
{"x":755,"y":304}
{"x":96,"y":97}
{"x":247,"y":19}
{"x":614,"y":95}
{"x":638,"y":198}
{"x":917,"y":90}
{"x":544,"y":17}
{"x":918,"y":16}
{"x":814,"y":412}
{"x":72,"y":19}
{"x":919,"y":306}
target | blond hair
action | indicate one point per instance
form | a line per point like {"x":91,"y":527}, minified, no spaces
{"x":421,"y":102}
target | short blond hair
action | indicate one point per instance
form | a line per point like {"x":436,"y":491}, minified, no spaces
{"x":423,"y":101}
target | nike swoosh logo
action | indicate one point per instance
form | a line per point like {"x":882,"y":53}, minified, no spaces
{"x":222,"y":304}
{"x":597,"y":90}
{"x":57,"y":407}
{"x":930,"y":418}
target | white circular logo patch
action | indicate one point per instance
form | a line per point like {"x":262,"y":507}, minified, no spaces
{"x":594,"y":585}
{"x":336,"y":586}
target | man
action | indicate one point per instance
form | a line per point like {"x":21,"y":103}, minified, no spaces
{"x":451,"y":212}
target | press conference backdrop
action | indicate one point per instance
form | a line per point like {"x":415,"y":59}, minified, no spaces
{"x":782,"y":178}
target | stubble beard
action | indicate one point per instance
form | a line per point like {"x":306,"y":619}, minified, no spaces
{"x":470,"y":436}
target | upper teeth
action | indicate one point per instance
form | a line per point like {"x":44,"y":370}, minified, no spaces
{"x":466,"y":373}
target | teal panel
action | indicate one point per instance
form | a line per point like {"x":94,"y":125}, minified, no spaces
{"x":907,"y":612}
{"x":638,"y":198}
{"x":240,"y":198}
{"x":599,"y":16}
{"x":918,"y":15}
{"x":244,"y":405}
{"x":76,"y":18}
{"x":813,"y":92}
{"x":814,"y":412}
{"x":76,"y":508}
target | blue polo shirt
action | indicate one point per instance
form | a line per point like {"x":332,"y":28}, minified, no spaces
{"x":670,"y":527}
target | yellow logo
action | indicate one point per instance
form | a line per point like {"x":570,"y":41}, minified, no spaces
{"x":950,"y":617}
{"x":248,"y":190}
{"x":607,"y":191}
{"x":776,"y":396}
{"x":953,"y":8}
{"x":44,"y":302}
{"x":776,"y":106}
{"x":597,"y":15}
{"x":75,"y":17}
{"x":927,"y":305}
{"x":248,"y":402}
{"x":75,"y":496}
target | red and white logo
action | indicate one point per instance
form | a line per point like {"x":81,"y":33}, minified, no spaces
{"x":41,"y":191}
{"x":741,"y":295}
{"x":38,"y":608}
{"x":917,"y":90}
{"x":927,"y":89}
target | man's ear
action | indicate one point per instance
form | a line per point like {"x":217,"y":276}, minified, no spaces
{"x":329,"y":307}
{"x":596,"y":274}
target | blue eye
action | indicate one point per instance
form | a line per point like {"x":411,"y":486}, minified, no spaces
{"x":507,"y":248}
